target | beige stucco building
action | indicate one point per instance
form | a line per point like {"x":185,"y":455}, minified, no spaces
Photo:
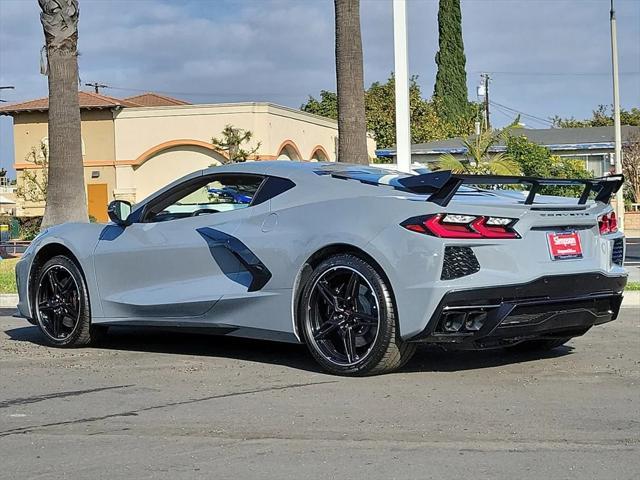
{"x":133,"y":146}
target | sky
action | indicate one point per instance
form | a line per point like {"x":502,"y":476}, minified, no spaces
{"x":545,"y":57}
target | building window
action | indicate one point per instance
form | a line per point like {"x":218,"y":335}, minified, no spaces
{"x":596,"y":164}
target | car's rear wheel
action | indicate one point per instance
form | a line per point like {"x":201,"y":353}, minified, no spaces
{"x":349,"y":319}
{"x":61,"y":304}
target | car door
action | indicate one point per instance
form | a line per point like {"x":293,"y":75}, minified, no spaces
{"x":175,"y":262}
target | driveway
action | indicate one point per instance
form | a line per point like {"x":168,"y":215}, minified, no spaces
{"x":168,"y":406}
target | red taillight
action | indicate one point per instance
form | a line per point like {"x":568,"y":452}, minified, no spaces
{"x":462,"y":226}
{"x":608,"y":223}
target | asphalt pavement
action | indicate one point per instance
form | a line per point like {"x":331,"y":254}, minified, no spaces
{"x":150,"y":404}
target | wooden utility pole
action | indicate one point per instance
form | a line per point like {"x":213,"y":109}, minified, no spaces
{"x":96,"y":86}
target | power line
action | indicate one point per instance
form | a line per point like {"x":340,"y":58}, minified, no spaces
{"x":8,"y":87}
{"x":524,"y":114}
{"x":510,"y":115}
{"x":558,"y":74}
{"x":96,"y":86}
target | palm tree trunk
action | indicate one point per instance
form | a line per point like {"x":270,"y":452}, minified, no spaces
{"x":352,"y":126}
{"x":66,"y":195}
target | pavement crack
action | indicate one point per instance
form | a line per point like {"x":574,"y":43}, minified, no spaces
{"x":49,"y":396}
{"x":135,"y":412}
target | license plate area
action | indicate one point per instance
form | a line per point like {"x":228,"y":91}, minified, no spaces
{"x":564,"y":245}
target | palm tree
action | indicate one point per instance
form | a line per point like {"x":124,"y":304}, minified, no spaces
{"x":66,"y":196}
{"x":480,"y":160}
{"x":352,"y":126}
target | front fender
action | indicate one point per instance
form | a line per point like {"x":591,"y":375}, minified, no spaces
{"x":80,"y":240}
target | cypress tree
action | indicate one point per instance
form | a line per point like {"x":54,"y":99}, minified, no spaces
{"x":450,"y":91}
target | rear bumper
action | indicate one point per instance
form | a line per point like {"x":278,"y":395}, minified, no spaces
{"x":549,"y":307}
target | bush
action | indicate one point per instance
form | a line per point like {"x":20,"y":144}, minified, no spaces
{"x":537,"y":161}
{"x":29,"y":227}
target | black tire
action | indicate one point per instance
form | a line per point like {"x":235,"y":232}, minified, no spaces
{"x":530,"y":346}
{"x":74,"y":327}
{"x":381,"y":353}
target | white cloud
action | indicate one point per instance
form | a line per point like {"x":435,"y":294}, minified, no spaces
{"x":282,"y":50}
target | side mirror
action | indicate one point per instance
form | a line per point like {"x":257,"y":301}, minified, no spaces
{"x":119,"y":211}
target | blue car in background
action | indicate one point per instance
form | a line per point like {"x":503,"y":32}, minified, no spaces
{"x":231,"y":194}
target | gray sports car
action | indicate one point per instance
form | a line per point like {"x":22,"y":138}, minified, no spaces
{"x":359,"y":263}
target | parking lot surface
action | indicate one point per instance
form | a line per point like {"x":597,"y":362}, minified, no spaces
{"x":159,"y":405}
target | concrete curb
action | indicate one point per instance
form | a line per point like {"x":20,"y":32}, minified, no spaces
{"x":631,"y":299}
{"x":8,"y":300}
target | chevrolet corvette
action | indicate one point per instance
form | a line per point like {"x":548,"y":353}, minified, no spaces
{"x":359,"y":263}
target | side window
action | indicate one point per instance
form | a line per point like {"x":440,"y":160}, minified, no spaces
{"x":207,"y":196}
{"x":272,"y":187}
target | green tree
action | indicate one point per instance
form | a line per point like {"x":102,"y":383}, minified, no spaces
{"x":231,"y":142}
{"x":537,"y":161}
{"x":534,"y":159}
{"x":381,"y":114}
{"x":480,"y":160}
{"x":34,"y":182}
{"x":326,"y":106}
{"x":66,"y":196}
{"x":352,"y":123}
{"x":450,"y":91}
{"x":380,"y":109}
{"x":601,"y":117}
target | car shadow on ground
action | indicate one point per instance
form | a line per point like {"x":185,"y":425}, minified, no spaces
{"x":426,"y":359}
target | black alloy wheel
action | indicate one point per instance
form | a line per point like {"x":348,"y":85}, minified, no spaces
{"x":349,"y":319}
{"x":344,"y":315}
{"x":61,"y":304}
{"x":58,"y":302}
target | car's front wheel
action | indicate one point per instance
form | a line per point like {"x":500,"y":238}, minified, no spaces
{"x":349,"y":319}
{"x":61,"y":304}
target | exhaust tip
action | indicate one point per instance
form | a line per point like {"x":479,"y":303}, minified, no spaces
{"x":475,"y":321}
{"x":462,"y":321}
{"x":453,"y":322}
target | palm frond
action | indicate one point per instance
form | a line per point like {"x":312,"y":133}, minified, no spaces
{"x":449,"y":162}
{"x":502,"y":164}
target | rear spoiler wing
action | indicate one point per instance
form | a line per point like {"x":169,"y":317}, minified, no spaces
{"x":443,"y":185}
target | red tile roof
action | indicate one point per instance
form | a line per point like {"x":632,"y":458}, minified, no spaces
{"x":151,"y":99}
{"x":90,"y":100}
{"x":87,"y":100}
